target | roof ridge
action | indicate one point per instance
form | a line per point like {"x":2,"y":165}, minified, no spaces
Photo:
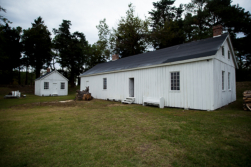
{"x":46,"y":74}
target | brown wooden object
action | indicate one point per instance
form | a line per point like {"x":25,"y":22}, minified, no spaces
{"x":83,"y":95}
{"x":247,"y":100}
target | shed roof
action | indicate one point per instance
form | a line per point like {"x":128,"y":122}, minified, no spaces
{"x":191,"y":50}
{"x":48,"y":73}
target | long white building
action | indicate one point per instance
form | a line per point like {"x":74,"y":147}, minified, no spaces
{"x":196,"y":75}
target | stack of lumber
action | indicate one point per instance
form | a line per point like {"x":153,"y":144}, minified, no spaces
{"x":83,"y":95}
{"x":247,"y":100}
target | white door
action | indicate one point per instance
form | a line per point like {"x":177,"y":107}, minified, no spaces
{"x":131,"y":87}
{"x":55,"y":88}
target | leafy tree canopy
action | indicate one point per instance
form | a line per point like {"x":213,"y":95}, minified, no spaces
{"x":2,"y":18}
{"x":131,"y":35}
{"x":166,"y":23}
{"x":202,"y":15}
{"x":37,"y":45}
{"x":72,"y":49}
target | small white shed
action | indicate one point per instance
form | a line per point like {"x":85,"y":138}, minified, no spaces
{"x":196,"y":75}
{"x":51,"y":84}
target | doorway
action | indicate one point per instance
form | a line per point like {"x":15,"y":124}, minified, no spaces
{"x":55,"y":88}
{"x":131,"y":87}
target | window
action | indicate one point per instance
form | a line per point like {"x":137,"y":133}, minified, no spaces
{"x":46,"y":85}
{"x":175,"y":80}
{"x":228,"y":54}
{"x":104,"y":83}
{"x":62,"y":85}
{"x":223,"y":51}
{"x":223,"y":73}
{"x":229,"y":80}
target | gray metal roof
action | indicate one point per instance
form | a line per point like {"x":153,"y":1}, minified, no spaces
{"x":43,"y":75}
{"x":191,"y":50}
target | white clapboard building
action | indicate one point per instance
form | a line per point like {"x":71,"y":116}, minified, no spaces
{"x":51,"y":84}
{"x":195,"y":75}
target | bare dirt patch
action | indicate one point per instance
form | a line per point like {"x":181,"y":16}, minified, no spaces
{"x":144,"y":148}
{"x":51,"y":103}
{"x":115,"y":105}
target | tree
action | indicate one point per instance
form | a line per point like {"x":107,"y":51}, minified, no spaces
{"x":3,"y":19}
{"x":164,"y":12}
{"x":10,"y":51}
{"x":100,"y":51}
{"x":72,"y":49}
{"x":103,"y":44}
{"x":235,"y":20}
{"x":131,"y":35}
{"x":166,"y":24}
{"x":37,"y":45}
{"x":95,"y":56}
{"x":197,"y":21}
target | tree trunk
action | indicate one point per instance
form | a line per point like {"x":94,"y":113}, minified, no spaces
{"x":79,"y":81}
{"x":71,"y":80}
{"x":26,"y":76}
{"x":19,"y":77}
{"x":31,"y":78}
{"x":37,"y":72}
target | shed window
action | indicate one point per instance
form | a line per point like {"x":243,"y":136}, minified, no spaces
{"x":229,"y":80}
{"x":104,"y":83}
{"x":228,"y":54}
{"x":62,"y":85}
{"x":46,"y":85}
{"x":175,"y":80}
{"x":223,"y":51}
{"x":223,"y":73}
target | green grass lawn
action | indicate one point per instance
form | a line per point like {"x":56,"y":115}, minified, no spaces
{"x":105,"y":133}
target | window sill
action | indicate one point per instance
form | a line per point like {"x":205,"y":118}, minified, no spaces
{"x":174,"y":91}
{"x":223,"y":90}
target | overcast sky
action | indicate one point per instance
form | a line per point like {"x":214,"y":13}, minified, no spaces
{"x":84,"y":15}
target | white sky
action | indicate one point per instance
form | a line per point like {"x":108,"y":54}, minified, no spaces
{"x":84,"y":15}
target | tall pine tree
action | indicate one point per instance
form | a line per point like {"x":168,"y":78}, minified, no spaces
{"x":37,"y":45}
{"x":72,"y":49}
{"x":166,"y":24}
{"x":131,"y":35}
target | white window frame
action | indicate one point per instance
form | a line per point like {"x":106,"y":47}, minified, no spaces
{"x":223,"y":51}
{"x":104,"y":83}
{"x":62,"y":85}
{"x":46,"y":85}
{"x":175,"y":81}
{"x":229,"y":84}
{"x":223,"y":80}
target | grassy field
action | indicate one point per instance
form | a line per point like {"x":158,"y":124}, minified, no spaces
{"x":39,"y":131}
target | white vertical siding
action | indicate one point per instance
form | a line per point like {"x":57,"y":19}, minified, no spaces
{"x":196,"y":84}
{"x":226,"y":96}
{"x":52,"y":78}
{"x":37,"y":87}
{"x":222,"y":63}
